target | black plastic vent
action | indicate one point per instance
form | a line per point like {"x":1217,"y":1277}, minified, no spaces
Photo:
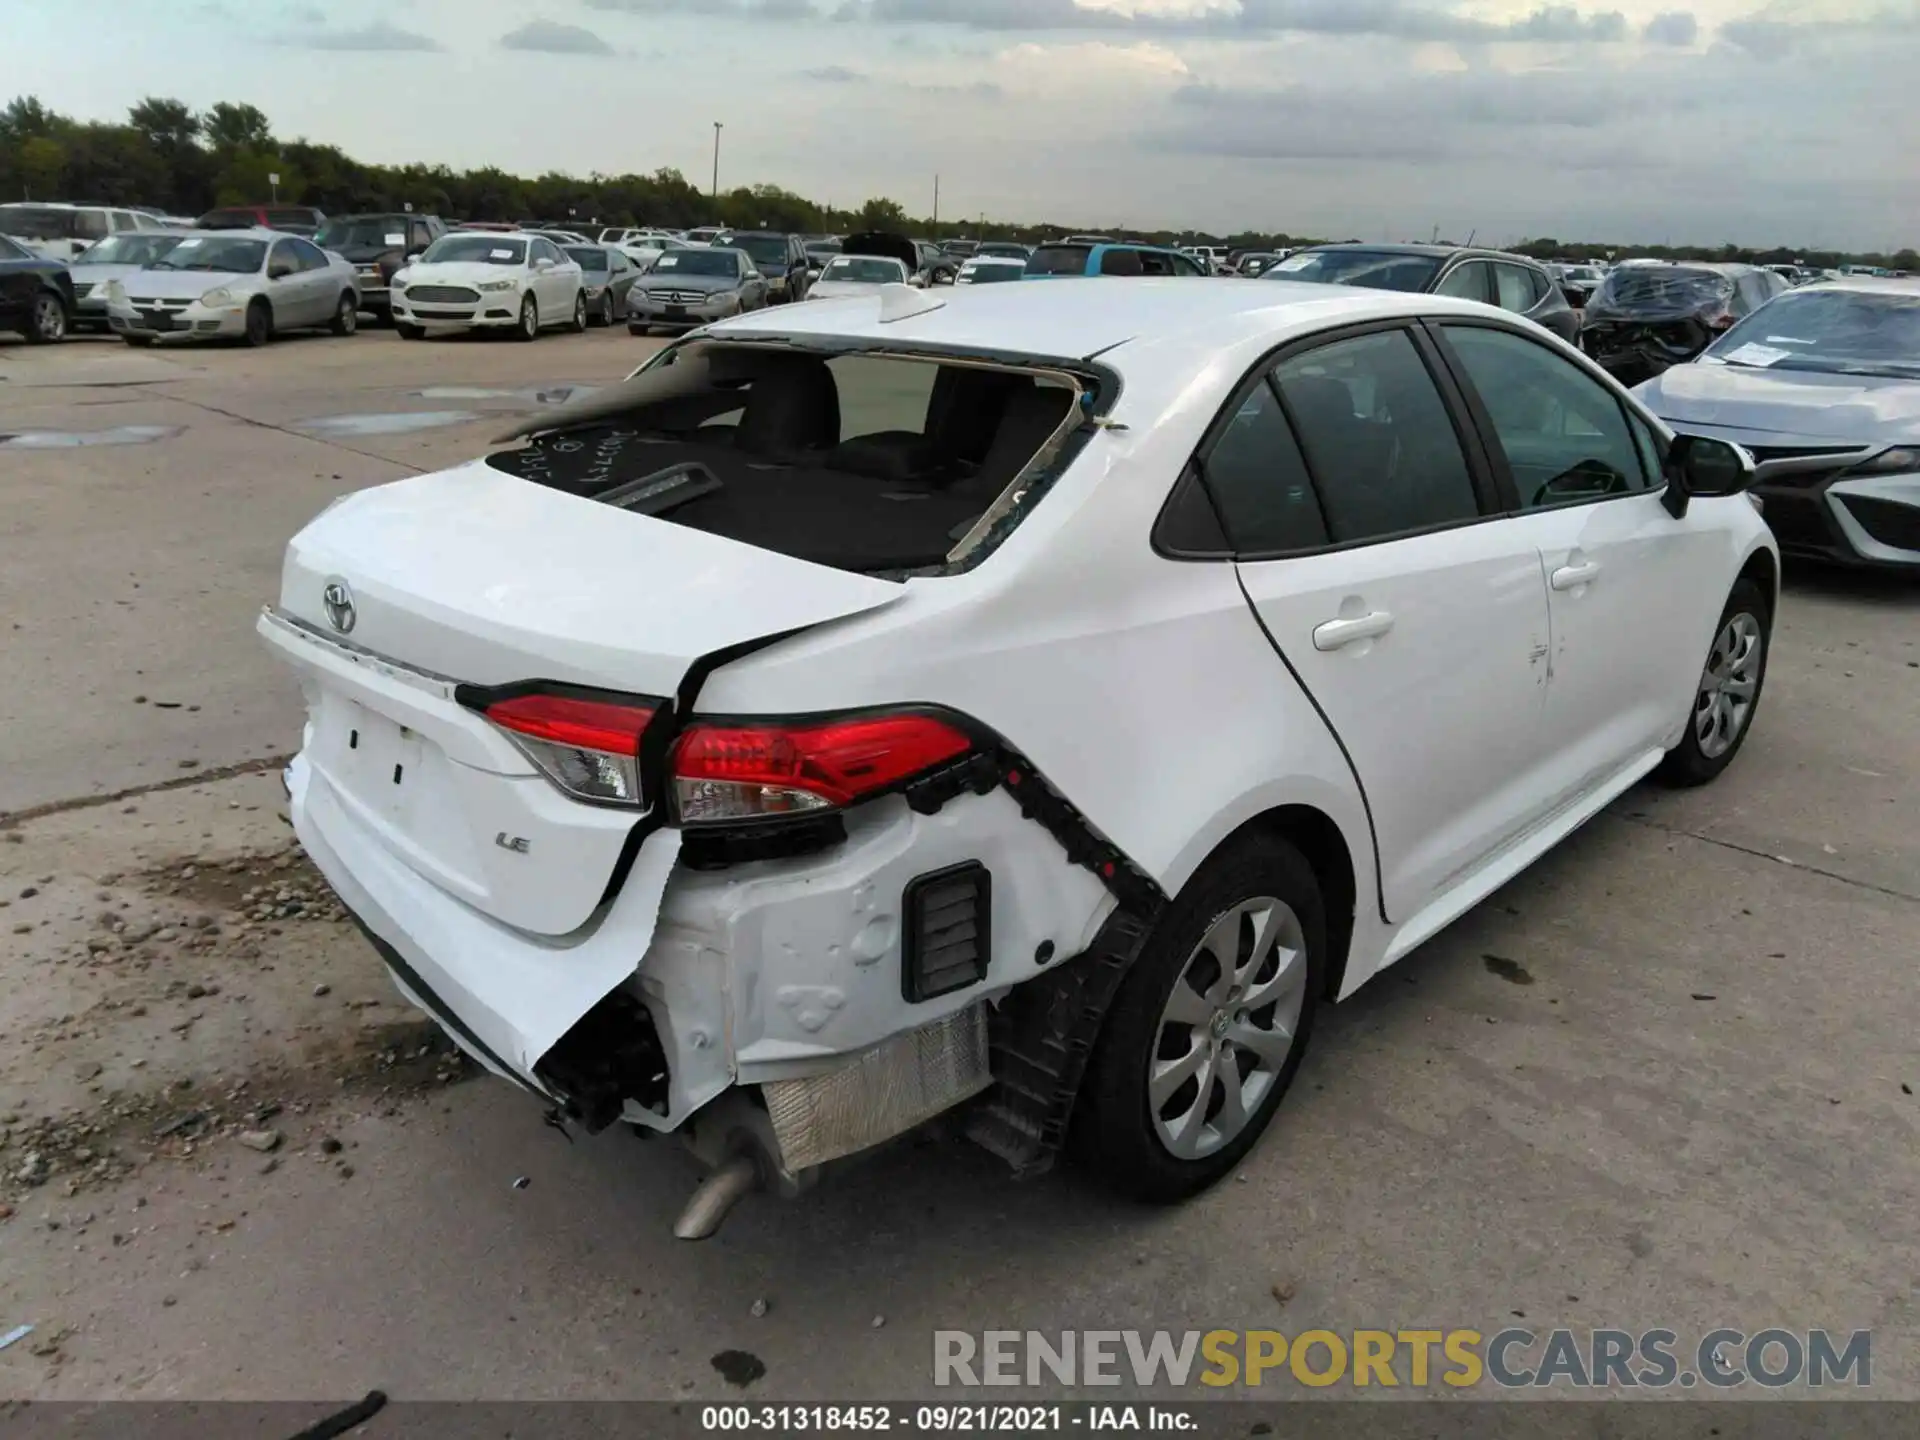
{"x":946,"y":938}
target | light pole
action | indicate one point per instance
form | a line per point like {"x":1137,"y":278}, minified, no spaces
{"x":718,"y":126}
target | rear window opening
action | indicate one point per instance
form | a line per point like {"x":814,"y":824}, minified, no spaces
{"x":878,"y":463}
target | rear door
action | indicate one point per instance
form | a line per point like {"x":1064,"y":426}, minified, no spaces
{"x":1626,"y":581}
{"x":319,"y":287}
{"x":1369,"y":543}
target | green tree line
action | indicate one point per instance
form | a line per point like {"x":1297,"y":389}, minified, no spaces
{"x":168,"y":156}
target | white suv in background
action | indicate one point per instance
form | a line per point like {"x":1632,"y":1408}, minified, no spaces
{"x":61,"y":231}
{"x":1037,"y":699}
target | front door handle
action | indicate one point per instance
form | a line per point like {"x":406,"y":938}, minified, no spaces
{"x":1337,"y":633}
{"x":1572,"y":577}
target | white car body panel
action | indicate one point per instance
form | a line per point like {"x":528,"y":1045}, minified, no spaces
{"x":1085,"y":650}
{"x":553,"y":289}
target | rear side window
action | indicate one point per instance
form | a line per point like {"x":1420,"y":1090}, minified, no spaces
{"x":1259,"y":481}
{"x":1466,"y":282}
{"x":1377,"y":437}
{"x":1514,"y":286}
{"x":1121,"y":262}
{"x":1059,"y":260}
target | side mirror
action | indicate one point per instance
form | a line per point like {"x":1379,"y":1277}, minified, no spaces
{"x":543,"y":264}
{"x":1711,"y":469}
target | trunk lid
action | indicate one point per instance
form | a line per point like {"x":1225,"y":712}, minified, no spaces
{"x":475,"y":576}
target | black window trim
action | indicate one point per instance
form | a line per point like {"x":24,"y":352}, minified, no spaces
{"x":1482,"y":418}
{"x":1489,"y":499}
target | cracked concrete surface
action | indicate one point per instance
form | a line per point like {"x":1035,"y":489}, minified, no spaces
{"x":1664,"y":1078}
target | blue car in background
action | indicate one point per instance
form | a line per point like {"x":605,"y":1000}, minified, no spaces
{"x":1062,"y":258}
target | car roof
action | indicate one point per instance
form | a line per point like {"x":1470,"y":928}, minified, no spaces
{"x":1439,"y":252}
{"x":1081,"y":320}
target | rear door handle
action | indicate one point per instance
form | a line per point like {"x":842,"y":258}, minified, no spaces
{"x":1337,"y":633}
{"x":1572,"y":577}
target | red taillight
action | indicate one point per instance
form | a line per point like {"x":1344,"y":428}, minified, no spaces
{"x":589,"y":748}
{"x":743,"y":772}
{"x":589,"y":724}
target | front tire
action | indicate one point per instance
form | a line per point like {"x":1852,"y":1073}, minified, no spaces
{"x":48,"y":323}
{"x":529,"y":326}
{"x":410,"y":332}
{"x":639,"y":329}
{"x":1209,"y":1026}
{"x":1728,"y":695}
{"x":346,"y":318}
{"x":259,"y":323}
{"x":579,"y":324}
{"x":139,"y":342}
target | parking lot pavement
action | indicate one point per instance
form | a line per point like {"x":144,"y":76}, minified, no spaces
{"x":1663,"y":1079}
{"x":135,"y":568}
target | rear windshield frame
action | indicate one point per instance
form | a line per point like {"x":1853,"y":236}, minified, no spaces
{"x":1098,"y":388}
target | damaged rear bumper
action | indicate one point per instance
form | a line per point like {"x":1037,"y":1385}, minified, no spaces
{"x":783,"y":977}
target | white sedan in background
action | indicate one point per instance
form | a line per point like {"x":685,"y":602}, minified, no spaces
{"x":248,"y":284}
{"x":857,"y":275}
{"x":1162,"y":666}
{"x":516,"y":281}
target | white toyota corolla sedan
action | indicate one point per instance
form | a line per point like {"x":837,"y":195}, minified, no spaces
{"x":1032,"y":700}
{"x":518,"y":282}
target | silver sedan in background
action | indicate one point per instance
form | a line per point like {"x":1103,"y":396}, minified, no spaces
{"x":240,"y":284}
{"x":1822,"y":385}
{"x":686,"y":288}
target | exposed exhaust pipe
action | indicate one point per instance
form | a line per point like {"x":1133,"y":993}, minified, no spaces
{"x":710,"y":1205}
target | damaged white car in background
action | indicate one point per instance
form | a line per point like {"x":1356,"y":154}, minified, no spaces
{"x":1031,"y":701}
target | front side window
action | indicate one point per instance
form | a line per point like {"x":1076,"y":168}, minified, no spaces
{"x":1565,"y":435}
{"x":1258,"y":479}
{"x":311,"y":257}
{"x":1377,"y":438}
{"x":285,"y":261}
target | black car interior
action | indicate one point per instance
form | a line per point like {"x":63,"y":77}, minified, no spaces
{"x":758,"y":454}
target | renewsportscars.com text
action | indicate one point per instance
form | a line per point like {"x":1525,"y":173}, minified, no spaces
{"x":1508,"y":1359}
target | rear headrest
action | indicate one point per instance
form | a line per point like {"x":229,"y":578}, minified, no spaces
{"x":793,"y":406}
{"x":964,"y":410}
{"x":1031,"y":416}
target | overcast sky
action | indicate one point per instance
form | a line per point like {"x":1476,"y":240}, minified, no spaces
{"x":1686,"y":120}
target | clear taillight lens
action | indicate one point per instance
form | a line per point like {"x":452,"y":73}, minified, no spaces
{"x":753,"y":772}
{"x":590,"y":748}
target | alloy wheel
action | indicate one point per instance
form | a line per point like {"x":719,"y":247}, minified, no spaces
{"x":49,"y":318}
{"x":1227,"y":1027}
{"x":1728,"y":685}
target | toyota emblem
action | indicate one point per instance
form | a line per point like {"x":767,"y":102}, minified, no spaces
{"x":338,"y":600}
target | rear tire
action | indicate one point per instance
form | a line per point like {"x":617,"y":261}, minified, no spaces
{"x":47,"y":325}
{"x":346,"y":319}
{"x":1187,"y":1073}
{"x":529,"y":326}
{"x":259,"y":323}
{"x":1727,"y":696}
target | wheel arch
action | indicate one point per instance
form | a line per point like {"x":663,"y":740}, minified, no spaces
{"x":1340,"y":853}
{"x":1763,"y":568}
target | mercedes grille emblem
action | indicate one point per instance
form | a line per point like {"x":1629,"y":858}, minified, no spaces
{"x":338,"y":599}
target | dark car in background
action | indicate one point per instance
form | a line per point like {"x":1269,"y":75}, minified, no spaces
{"x":941,"y":268}
{"x":607,"y":273}
{"x":36,"y":294}
{"x":377,"y":245}
{"x":780,"y":258}
{"x":290,"y":219}
{"x":1493,"y":277}
{"x":1645,"y":317}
